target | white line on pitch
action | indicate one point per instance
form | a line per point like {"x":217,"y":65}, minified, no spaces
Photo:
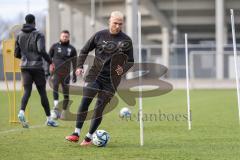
{"x":21,"y":129}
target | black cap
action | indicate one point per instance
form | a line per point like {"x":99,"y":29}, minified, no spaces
{"x":30,"y":19}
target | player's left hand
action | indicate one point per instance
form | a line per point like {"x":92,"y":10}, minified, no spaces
{"x":74,"y":79}
{"x":119,"y":70}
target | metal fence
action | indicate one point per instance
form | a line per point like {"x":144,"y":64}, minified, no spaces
{"x":202,"y":60}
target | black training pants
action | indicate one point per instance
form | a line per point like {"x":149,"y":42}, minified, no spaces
{"x":38,"y":77}
{"x":104,"y":94}
{"x":64,"y":81}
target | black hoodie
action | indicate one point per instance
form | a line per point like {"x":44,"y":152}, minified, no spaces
{"x":30,"y":48}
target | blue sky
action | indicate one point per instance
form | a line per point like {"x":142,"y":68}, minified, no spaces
{"x":10,"y":9}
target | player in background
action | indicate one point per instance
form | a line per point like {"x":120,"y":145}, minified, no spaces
{"x":30,"y":48}
{"x":63,"y":55}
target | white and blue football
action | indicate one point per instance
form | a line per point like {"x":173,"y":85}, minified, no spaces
{"x":125,"y":112}
{"x":100,"y":138}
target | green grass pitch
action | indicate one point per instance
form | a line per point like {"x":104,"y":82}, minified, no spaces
{"x":215,"y":131}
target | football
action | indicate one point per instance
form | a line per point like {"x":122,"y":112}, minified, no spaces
{"x":125,"y":112}
{"x":100,"y":138}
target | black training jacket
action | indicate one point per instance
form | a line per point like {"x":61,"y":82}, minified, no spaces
{"x":106,"y":45}
{"x":30,"y":48}
{"x":63,"y":55}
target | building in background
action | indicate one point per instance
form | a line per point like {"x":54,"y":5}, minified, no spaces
{"x":164,"y":23}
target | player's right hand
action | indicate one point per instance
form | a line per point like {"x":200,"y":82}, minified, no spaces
{"x":79,"y":71}
{"x":51,"y":68}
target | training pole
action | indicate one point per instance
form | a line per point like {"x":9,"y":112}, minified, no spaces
{"x":235,"y":60}
{"x":92,"y":22}
{"x":187,"y":83}
{"x":140,"y":78}
{"x":11,"y":65}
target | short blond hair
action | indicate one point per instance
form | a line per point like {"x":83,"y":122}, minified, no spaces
{"x":117,"y":14}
